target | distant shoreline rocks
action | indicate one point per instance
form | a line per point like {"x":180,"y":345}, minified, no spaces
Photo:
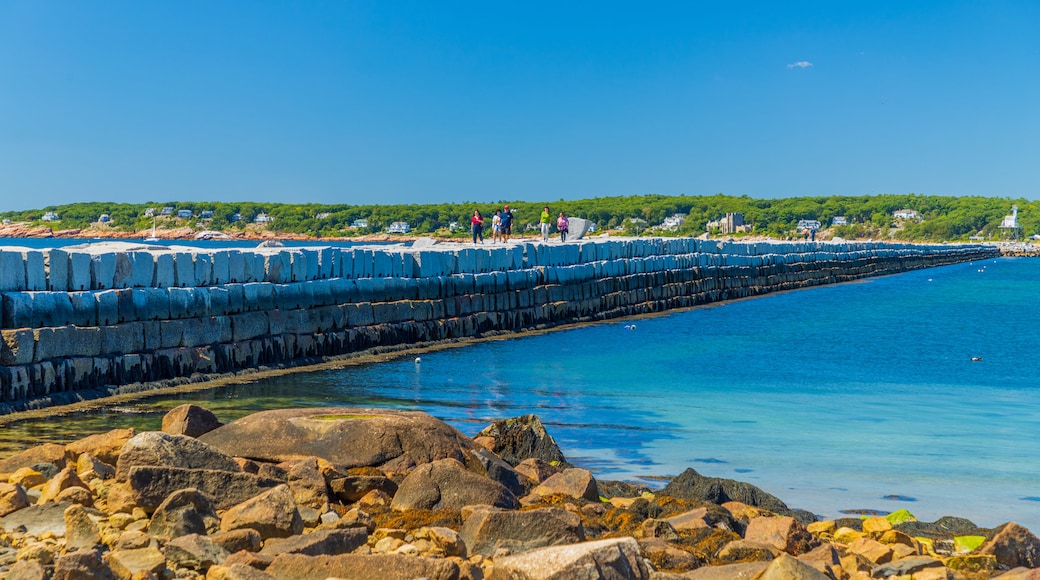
{"x":378,"y":494}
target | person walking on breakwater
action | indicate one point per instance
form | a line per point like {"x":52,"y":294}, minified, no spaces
{"x":544,"y":222}
{"x":496,"y":226}
{"x":507,"y":223}
{"x":562,"y":226}
{"x":477,"y":223}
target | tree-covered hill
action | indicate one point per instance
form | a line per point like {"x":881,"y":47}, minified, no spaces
{"x":942,"y":218}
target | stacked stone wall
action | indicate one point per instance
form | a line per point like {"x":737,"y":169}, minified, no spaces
{"x":90,"y":321}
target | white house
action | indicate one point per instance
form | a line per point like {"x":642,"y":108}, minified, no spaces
{"x":185,"y":214}
{"x":839,"y":220}
{"x":263,"y":218}
{"x":168,"y":210}
{"x":673,"y":221}
{"x":206,"y":214}
{"x":808,"y":224}
{"x":906,"y":214}
{"x":50,"y":217}
{"x":104,"y":218}
{"x":399,"y":228}
{"x":359,"y":224}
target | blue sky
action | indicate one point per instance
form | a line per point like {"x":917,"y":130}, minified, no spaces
{"x":414,"y":102}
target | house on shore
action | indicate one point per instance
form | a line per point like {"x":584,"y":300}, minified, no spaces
{"x":262,"y":218}
{"x":50,"y":217}
{"x":906,"y":214}
{"x":399,"y":228}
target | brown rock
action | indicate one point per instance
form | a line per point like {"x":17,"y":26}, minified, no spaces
{"x":740,"y":571}
{"x":654,"y":528}
{"x":319,"y":543}
{"x":80,"y":530}
{"x":1014,"y":546}
{"x":872,"y":550}
{"x":104,"y":446}
{"x":786,"y":567}
{"x":12,"y":498}
{"x":151,"y":485}
{"x":361,"y":567}
{"x":233,"y":541}
{"x":251,"y":559}
{"x":520,"y":438}
{"x":132,"y":540}
{"x":782,"y":532}
{"x":446,"y":484}
{"x":667,"y":557}
{"x":308,"y":484}
{"x":76,"y":494}
{"x":352,"y":488}
{"x":574,"y":482}
{"x":190,"y":420}
{"x":394,"y":441}
{"x":488,"y":530}
{"x":120,"y":499}
{"x":746,"y":551}
{"x":82,"y":565}
{"x":89,"y":467}
{"x":612,"y":558}
{"x":876,"y":526}
{"x":155,"y":449}
{"x":273,"y":514}
{"x":690,"y":520}
{"x":27,"y":570}
{"x":537,"y":470}
{"x":46,"y":453}
{"x":183,"y":512}
{"x":237,"y":572}
{"x":65,"y":479}
{"x":195,"y":552}
{"x":139,"y":562}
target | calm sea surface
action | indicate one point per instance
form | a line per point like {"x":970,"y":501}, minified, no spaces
{"x":855,"y":396}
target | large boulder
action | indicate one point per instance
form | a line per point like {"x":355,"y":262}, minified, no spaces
{"x":195,"y":551}
{"x":487,"y":530}
{"x":1014,"y":546}
{"x":394,"y":441}
{"x":151,"y":485}
{"x":446,"y":484}
{"x":106,"y":447}
{"x":693,"y":486}
{"x":273,"y":514}
{"x":573,"y":482}
{"x":520,"y":438}
{"x":183,"y":512}
{"x":154,"y":448}
{"x":85,"y":564}
{"x":46,"y":453}
{"x":318,"y":543}
{"x":613,"y":559}
{"x":783,"y":533}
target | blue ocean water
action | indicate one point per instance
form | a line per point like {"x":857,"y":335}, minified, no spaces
{"x":852,"y":396}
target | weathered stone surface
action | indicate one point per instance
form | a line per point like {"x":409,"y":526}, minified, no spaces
{"x":346,"y":437}
{"x":246,"y":539}
{"x":308,"y":484}
{"x":740,"y":571}
{"x":38,"y":519}
{"x":486,"y":530}
{"x":574,"y":482}
{"x":27,"y":477}
{"x":352,"y":488}
{"x":1014,"y":546}
{"x":746,"y":551}
{"x":77,"y":495}
{"x":46,"y":453}
{"x":65,"y":479}
{"x":498,"y":470}
{"x":783,"y":533}
{"x":944,"y":527}
{"x":152,"y":485}
{"x":153,"y":448}
{"x":12,"y":498}
{"x":536,"y":469}
{"x":191,"y":420}
{"x":524,"y":437}
{"x":183,"y":512}
{"x":82,"y":565}
{"x":446,"y":484}
{"x":318,"y":543}
{"x":613,"y":559}
{"x":195,"y":552}
{"x":80,"y":531}
{"x":694,"y":519}
{"x":872,"y":550}
{"x":27,"y":570}
{"x":786,"y":567}
{"x":906,"y":567}
{"x":665,"y":556}
{"x":361,"y":567}
{"x":106,"y":447}
{"x":237,"y":572}
{"x":273,"y":514}
{"x":89,"y":467}
{"x":694,"y":486}
{"x":136,"y":563}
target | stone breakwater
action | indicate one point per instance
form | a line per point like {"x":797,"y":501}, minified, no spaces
{"x":99,"y":319}
{"x":375,"y":494}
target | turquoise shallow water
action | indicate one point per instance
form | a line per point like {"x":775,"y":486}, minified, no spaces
{"x":855,"y":396}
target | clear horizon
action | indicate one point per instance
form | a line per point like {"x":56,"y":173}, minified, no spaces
{"x":377,"y":103}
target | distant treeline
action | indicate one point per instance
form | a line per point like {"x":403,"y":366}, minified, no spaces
{"x":942,"y":218}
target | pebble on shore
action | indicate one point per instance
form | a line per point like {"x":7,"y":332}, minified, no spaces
{"x":377,"y":494}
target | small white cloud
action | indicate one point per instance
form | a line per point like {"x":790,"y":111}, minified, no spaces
{"x":800,"y":64}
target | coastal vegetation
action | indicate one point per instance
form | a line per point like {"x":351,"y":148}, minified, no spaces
{"x":941,"y":218}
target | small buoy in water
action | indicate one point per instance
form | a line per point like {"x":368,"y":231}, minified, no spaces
{"x":976,"y":358}
{"x":929,"y":279}
{"x":633,"y":327}
{"x":418,"y":360}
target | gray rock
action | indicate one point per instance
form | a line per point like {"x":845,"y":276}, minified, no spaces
{"x":361,"y":567}
{"x":157,"y":449}
{"x":183,"y":512}
{"x":346,"y":437}
{"x":318,"y":543}
{"x":151,"y":485}
{"x":446,"y":484}
{"x":696,"y":487}
{"x":487,"y":530}
{"x":524,"y":437}
{"x":613,"y":559}
{"x":500,"y":471}
{"x":190,"y":420}
{"x":906,"y":566}
{"x":38,"y":519}
{"x":273,"y":514}
{"x":195,"y":552}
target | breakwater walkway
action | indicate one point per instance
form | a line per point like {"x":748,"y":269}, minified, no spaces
{"x":89,"y":321}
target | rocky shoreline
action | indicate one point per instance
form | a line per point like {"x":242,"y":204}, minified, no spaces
{"x":379,"y":494}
